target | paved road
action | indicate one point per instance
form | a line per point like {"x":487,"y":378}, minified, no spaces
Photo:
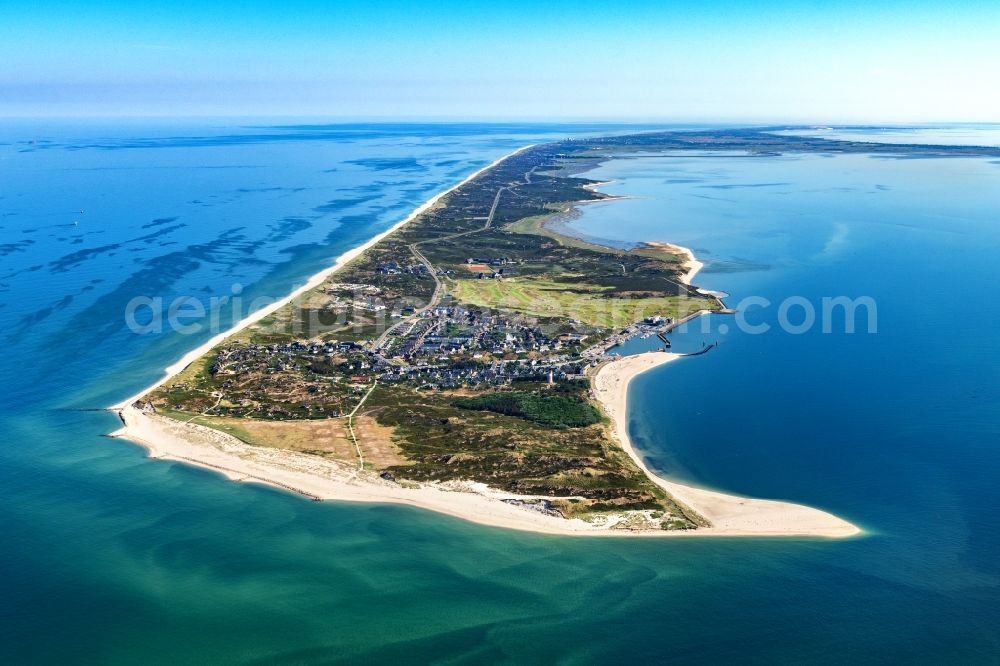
{"x":438,"y":285}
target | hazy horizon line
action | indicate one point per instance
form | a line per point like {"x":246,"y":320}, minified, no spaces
{"x":514,"y":120}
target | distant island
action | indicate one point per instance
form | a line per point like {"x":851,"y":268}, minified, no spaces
{"x":465,"y":362}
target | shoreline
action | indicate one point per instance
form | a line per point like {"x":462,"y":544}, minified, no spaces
{"x":314,"y":281}
{"x":324,"y":479}
{"x":691,"y":262}
{"x":321,"y":479}
{"x":729,"y":514}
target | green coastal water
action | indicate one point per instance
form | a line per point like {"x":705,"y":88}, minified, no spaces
{"x":112,"y":558}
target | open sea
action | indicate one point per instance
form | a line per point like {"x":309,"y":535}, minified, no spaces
{"x":111,"y":558}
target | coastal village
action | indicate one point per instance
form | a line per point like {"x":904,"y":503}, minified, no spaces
{"x":470,"y":351}
{"x":466,"y":341}
{"x":449,"y":347}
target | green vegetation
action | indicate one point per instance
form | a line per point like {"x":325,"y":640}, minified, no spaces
{"x":580,"y":465}
{"x":550,"y":410}
{"x":600,"y":306}
{"x":460,"y":360}
{"x":541,"y":225}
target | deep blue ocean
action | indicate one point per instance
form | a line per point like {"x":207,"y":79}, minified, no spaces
{"x":109,"y":557}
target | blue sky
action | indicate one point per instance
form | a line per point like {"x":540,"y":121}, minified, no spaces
{"x":761,"y":61}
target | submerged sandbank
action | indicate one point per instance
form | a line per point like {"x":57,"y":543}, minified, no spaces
{"x":313,"y":282}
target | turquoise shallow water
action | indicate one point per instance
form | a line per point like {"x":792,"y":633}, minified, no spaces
{"x":111,"y":558}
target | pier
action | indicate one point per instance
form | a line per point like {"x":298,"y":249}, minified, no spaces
{"x":605,"y":346}
{"x":703,"y":350}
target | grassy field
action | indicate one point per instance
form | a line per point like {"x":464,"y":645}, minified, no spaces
{"x":583,"y":302}
{"x":327,"y":437}
{"x":535,"y":225}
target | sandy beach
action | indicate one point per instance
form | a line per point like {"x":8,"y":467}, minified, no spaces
{"x":311,"y":283}
{"x":323,"y":479}
{"x":691,"y":263}
{"x":729,"y":514}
